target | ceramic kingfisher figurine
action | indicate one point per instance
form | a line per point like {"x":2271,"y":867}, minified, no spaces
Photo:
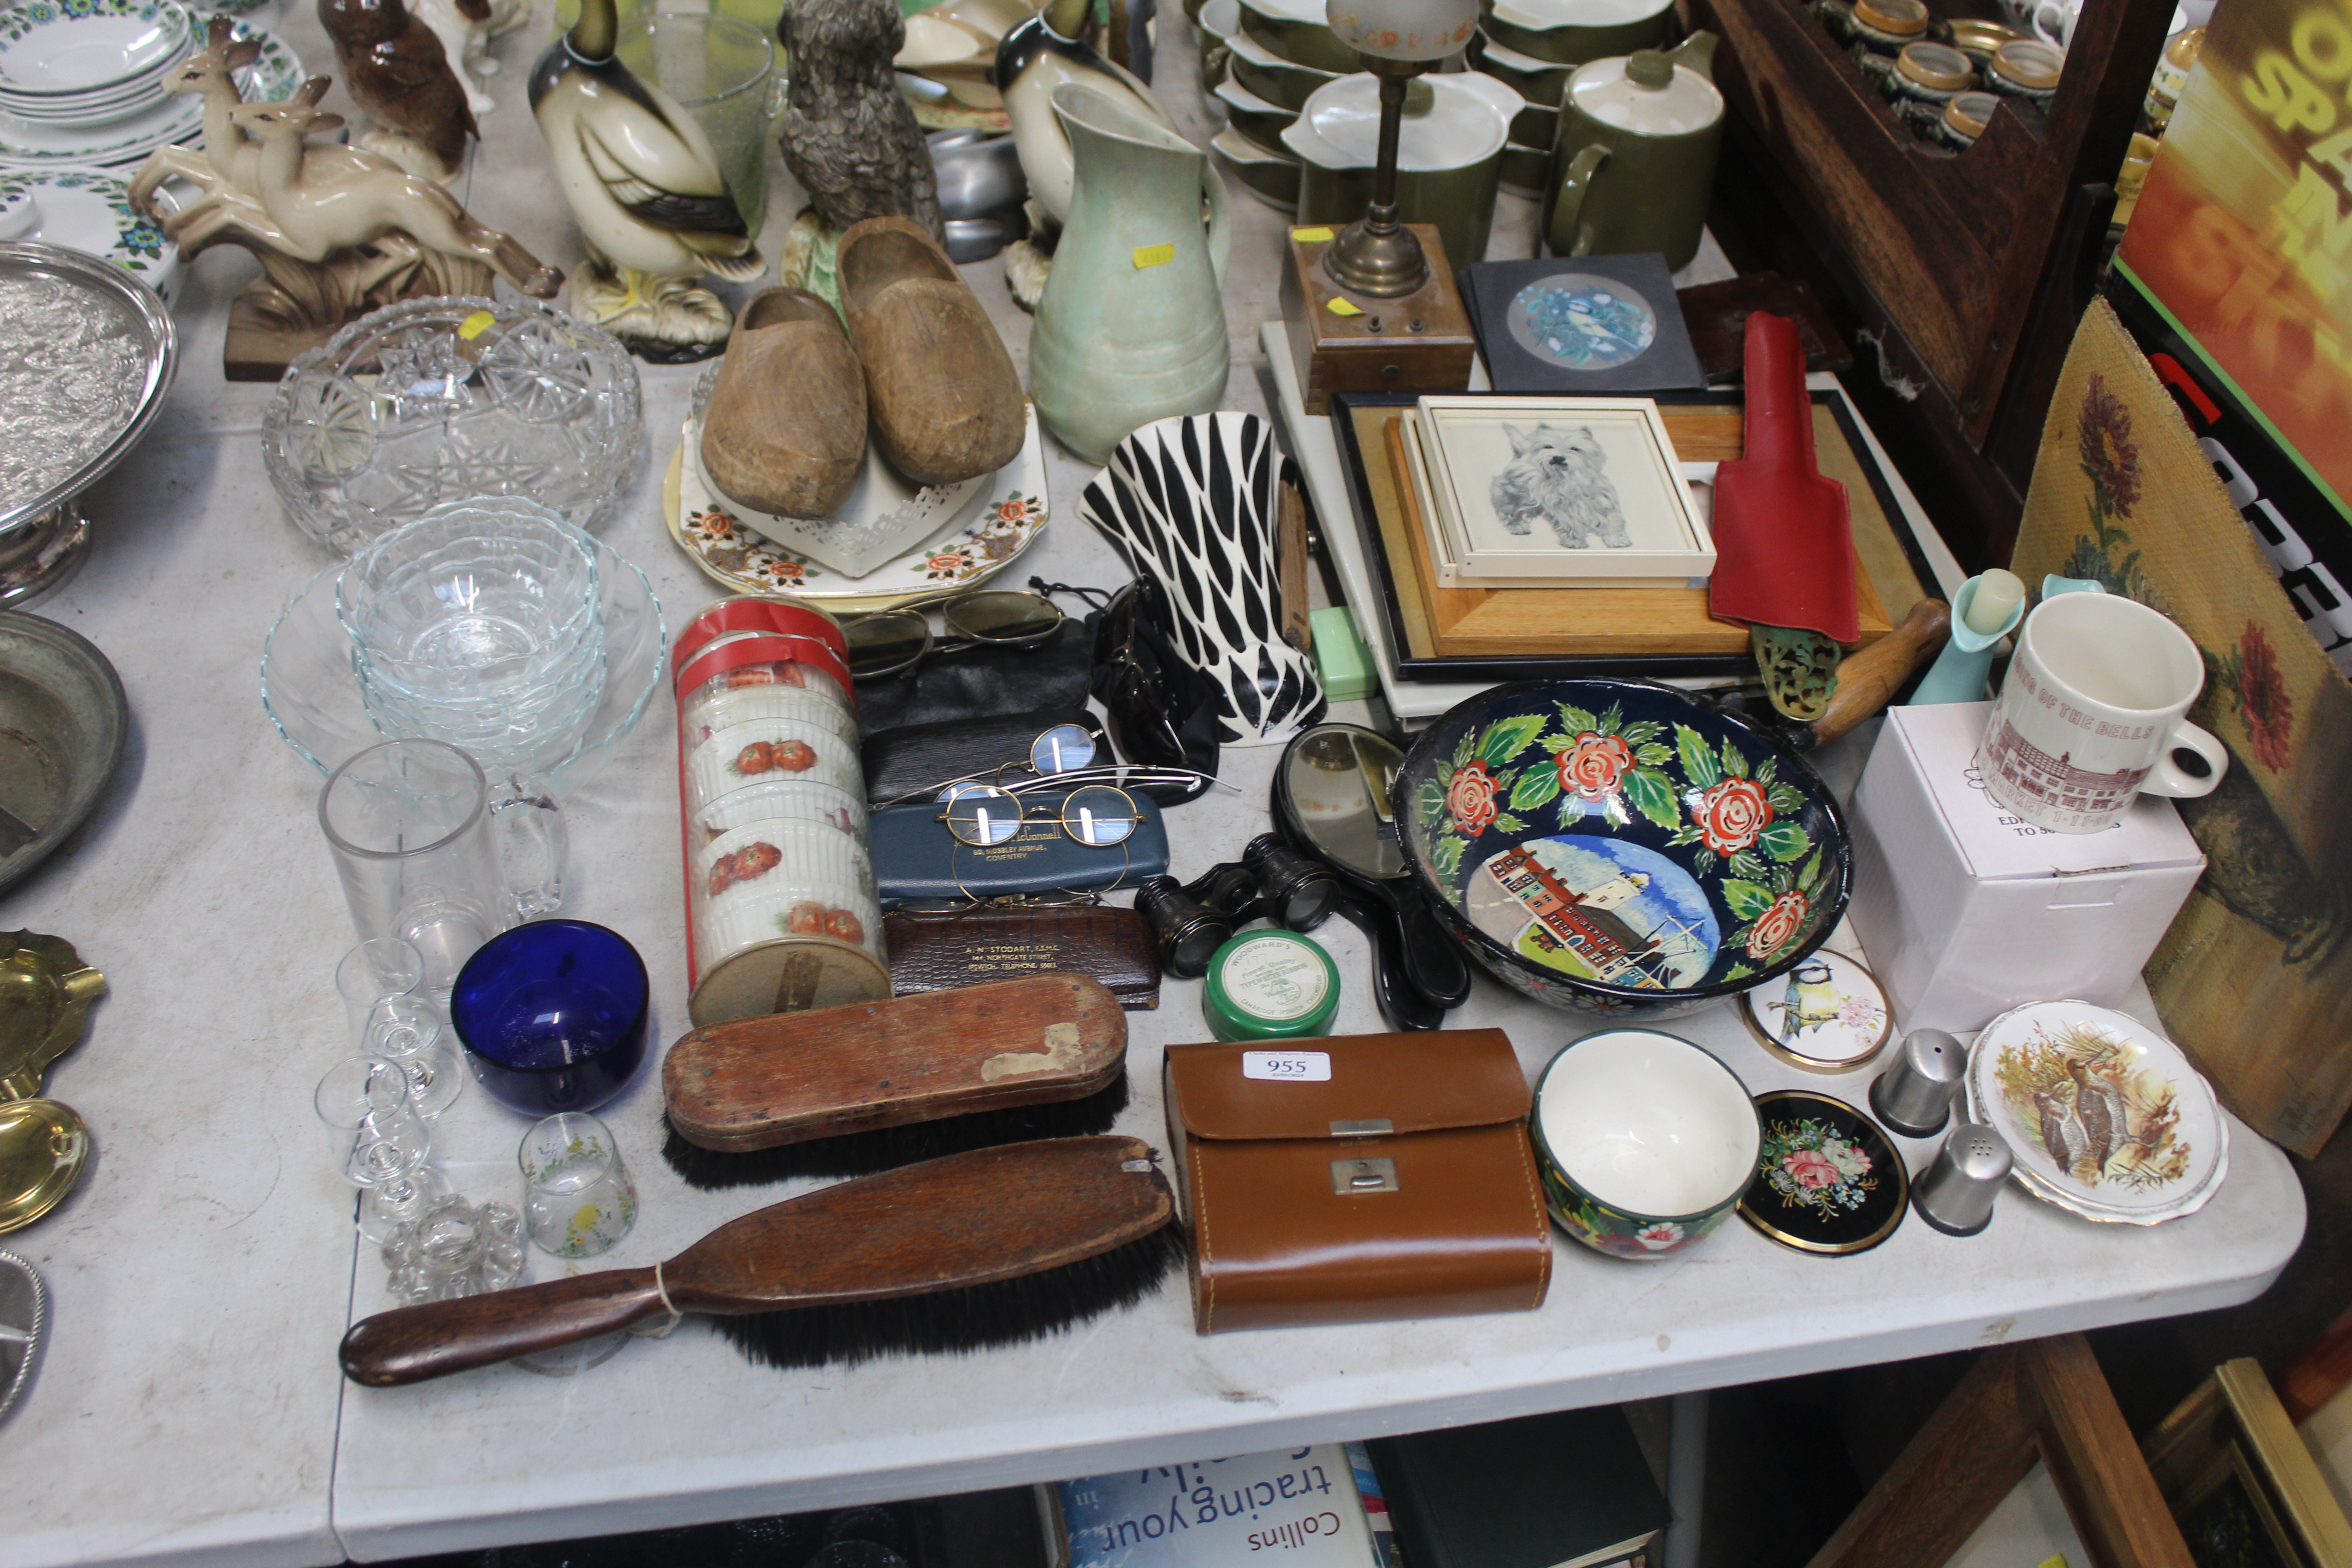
{"x":645,"y":186}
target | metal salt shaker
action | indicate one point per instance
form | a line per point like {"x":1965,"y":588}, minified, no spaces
{"x":1914,"y":1095}
{"x":1955,"y":1195}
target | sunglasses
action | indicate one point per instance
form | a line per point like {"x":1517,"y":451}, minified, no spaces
{"x":984,"y":815}
{"x":890,"y":641}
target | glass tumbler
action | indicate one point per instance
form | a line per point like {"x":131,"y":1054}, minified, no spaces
{"x":380,"y":1144}
{"x":382,"y":984}
{"x":418,"y":842}
{"x":721,"y":71}
{"x":577,"y":1198}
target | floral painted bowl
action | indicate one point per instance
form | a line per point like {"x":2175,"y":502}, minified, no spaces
{"x":1613,"y":847}
{"x":1646,"y":1142}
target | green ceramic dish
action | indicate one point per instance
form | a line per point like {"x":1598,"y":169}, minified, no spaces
{"x":1296,"y":30}
{"x":1269,"y":174}
{"x":1646,"y":1142}
{"x":1253,"y":116}
{"x":1272,"y":77}
{"x":1220,"y":21}
{"x":1572,"y":32}
{"x":1537,"y":81}
{"x":1537,"y":125}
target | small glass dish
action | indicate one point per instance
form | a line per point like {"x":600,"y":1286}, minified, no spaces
{"x":440,"y":399}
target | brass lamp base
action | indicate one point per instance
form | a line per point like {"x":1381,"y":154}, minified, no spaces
{"x":1385,"y":263}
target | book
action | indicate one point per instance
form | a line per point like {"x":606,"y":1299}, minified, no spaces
{"x":1564,"y":1490}
{"x":1582,"y":324}
{"x":1299,"y":1509}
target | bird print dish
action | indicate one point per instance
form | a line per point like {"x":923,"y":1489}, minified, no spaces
{"x":2104,"y":1115}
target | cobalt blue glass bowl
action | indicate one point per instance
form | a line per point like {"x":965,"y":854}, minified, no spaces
{"x":1615,"y":847}
{"x":552,"y":1016}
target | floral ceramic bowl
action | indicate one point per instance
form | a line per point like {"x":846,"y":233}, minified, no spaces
{"x":1611,"y":846}
{"x":1646,"y":1142}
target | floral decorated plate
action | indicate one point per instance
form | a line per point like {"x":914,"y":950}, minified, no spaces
{"x":1827,"y":1014}
{"x":2104,"y":1117}
{"x":1002,"y":519}
{"x":24,"y":145}
{"x":75,"y":45}
{"x":89,"y":210}
{"x":1827,"y":1180}
{"x":1613,"y":847}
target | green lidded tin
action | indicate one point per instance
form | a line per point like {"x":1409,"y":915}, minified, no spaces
{"x":1270,"y":984}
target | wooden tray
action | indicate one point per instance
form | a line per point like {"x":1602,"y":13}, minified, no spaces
{"x":1507,"y":634}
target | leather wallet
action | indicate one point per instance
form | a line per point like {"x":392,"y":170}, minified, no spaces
{"x":918,"y":860}
{"x":933,"y":950}
{"x":918,"y":757}
{"x":1357,"y":1180}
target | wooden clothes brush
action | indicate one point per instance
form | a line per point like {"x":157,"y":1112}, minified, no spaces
{"x":854,"y":1089}
{"x":989,"y":1248}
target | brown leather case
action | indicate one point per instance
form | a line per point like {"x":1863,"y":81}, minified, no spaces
{"x":931,"y":951}
{"x":1401,"y":1187}
{"x":756,"y":1083}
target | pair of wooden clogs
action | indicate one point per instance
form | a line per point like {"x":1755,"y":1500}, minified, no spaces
{"x":920,"y":365}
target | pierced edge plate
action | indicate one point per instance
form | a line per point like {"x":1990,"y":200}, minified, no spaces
{"x":20,"y":1341}
{"x":1995,"y":1114}
{"x":1009,"y":516}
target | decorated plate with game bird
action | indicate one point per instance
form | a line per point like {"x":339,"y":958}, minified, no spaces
{"x":2104,"y":1115}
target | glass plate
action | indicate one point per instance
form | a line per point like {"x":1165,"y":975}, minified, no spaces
{"x":312,"y":697}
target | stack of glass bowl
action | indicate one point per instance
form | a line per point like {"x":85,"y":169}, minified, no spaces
{"x":480,"y":624}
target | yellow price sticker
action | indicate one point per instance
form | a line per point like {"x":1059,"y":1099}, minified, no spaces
{"x":475,"y":325}
{"x":1311,"y":235}
{"x":2055,"y":1560}
{"x":1344,"y":308}
{"x":1154,"y":255}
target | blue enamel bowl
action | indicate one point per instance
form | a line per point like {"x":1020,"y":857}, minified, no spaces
{"x":1615,"y":847}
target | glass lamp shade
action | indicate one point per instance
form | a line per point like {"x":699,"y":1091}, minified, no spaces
{"x":1425,"y":30}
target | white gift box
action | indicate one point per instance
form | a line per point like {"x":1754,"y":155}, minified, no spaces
{"x":1965,"y":909}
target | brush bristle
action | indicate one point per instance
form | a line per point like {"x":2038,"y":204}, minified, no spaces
{"x":975,"y":1317}
{"x":888,"y":1148}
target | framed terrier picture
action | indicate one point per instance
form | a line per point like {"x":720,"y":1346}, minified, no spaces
{"x":1555,"y":491}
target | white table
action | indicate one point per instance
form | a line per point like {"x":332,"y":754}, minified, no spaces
{"x":188,"y":1409}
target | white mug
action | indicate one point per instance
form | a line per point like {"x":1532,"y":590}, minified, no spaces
{"x":2053,"y":21}
{"x":2090,"y":715}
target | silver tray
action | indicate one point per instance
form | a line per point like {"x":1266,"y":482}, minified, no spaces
{"x":87,"y":353}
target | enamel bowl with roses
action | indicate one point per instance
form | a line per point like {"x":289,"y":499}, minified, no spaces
{"x":1616,"y":847}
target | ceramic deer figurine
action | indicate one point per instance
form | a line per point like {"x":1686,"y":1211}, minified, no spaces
{"x":323,"y":200}
{"x":338,"y":231}
{"x":208,"y":71}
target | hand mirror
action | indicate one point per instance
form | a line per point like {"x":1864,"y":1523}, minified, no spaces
{"x":1331,"y":798}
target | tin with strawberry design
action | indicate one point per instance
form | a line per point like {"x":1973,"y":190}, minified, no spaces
{"x":781,"y":907}
{"x":1617,"y":847}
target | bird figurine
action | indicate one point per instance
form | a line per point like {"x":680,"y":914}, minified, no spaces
{"x":396,"y":69}
{"x":645,"y":188}
{"x":849,"y":135}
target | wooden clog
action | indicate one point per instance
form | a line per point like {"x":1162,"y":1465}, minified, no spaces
{"x":786,"y":430}
{"x":944,"y":398}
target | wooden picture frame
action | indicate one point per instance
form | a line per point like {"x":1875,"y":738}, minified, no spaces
{"x":2232,"y":1467}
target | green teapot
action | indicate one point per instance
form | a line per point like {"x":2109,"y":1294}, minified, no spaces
{"x":1636,"y":155}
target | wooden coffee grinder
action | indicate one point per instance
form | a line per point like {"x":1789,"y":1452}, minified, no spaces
{"x":1375,"y":309}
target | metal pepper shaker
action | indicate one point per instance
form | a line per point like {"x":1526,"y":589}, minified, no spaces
{"x":1914,"y":1095}
{"x":1956,"y":1194}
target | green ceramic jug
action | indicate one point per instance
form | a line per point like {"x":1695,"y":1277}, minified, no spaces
{"x":1132,"y":327}
{"x":1635,"y":156}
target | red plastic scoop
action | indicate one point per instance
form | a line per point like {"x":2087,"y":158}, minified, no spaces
{"x":1783,"y":538}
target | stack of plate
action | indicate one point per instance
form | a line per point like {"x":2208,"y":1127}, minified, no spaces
{"x":91,"y":84}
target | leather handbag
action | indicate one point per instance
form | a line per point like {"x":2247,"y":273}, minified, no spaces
{"x":918,"y":860}
{"x":931,"y":950}
{"x":1360,"y":1179}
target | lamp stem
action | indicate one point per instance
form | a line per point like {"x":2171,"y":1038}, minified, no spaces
{"x":1380,"y":217}
{"x":1377,"y":255}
